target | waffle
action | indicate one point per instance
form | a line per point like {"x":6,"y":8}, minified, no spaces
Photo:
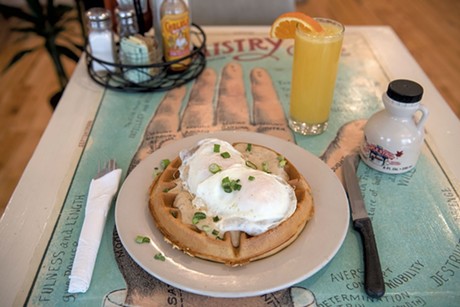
{"x":170,"y":207}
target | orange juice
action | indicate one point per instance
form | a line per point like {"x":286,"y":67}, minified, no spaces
{"x":316,"y":59}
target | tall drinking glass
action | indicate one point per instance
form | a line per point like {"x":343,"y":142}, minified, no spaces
{"x":316,"y":60}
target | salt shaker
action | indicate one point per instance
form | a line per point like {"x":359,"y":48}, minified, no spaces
{"x":393,"y":137}
{"x":100,"y":38}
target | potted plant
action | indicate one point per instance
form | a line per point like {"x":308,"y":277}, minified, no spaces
{"x":54,"y":24}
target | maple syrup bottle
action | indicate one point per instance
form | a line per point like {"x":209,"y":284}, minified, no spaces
{"x":175,"y":32}
{"x":392,"y":137}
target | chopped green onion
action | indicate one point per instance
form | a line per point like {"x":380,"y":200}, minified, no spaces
{"x":230,"y":185}
{"x":251,"y":165}
{"x":156,"y":172}
{"x":198,"y":216}
{"x":206,"y":228}
{"x":265,"y":167}
{"x":249,"y":147}
{"x":164,"y":163}
{"x":281,"y":161}
{"x":142,"y":239}
{"x":159,"y":256}
{"x":165,"y":190}
{"x":216,"y":219}
{"x":225,"y":155}
{"x":215,"y":232}
{"x":216,"y":147}
{"x":251,"y":178}
{"x":214,"y":168}
{"x":226,"y":185}
{"x":236,"y":186}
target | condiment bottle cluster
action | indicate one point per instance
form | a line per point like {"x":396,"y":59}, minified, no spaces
{"x":131,"y":43}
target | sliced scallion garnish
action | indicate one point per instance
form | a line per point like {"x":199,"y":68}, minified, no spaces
{"x":265,"y":167}
{"x":251,"y":178}
{"x":216,"y":148}
{"x":156,"y":172}
{"x":226,"y":185}
{"x":214,"y":168}
{"x":159,"y":256}
{"x":225,"y":155}
{"x":281,"y":161}
{"x":249,"y":147}
{"x":230,"y":185}
{"x":164,"y":163}
{"x":251,"y":165}
{"x":142,"y":239}
{"x":198,"y":216}
{"x":215,"y":219}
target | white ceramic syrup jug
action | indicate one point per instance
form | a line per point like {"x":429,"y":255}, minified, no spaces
{"x":393,"y":137}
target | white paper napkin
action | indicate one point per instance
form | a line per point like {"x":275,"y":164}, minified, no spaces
{"x":100,"y":195}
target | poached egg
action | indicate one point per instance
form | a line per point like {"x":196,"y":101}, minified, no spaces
{"x":258,"y":202}
{"x":195,"y":162}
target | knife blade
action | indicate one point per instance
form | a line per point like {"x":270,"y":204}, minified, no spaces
{"x":373,"y":278}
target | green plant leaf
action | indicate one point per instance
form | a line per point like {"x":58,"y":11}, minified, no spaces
{"x":24,"y":30}
{"x":78,"y":46}
{"x":17,"y":57}
{"x":37,"y":10}
{"x":56,"y":30}
{"x":49,"y":22}
{"x":50,"y":11}
{"x":70,"y":19}
{"x":9,"y":11}
{"x":67,"y":52}
{"x":69,"y":35}
{"x":56,"y":13}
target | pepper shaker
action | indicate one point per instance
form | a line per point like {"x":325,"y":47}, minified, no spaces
{"x":126,"y":22}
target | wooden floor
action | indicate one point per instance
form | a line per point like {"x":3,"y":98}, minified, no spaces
{"x":429,"y":28}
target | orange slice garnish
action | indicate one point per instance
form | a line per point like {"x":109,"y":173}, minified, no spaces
{"x":285,"y":25}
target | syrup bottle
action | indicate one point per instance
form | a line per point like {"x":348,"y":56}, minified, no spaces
{"x":393,"y":137}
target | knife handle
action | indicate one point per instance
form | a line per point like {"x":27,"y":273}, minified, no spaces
{"x":373,"y":278}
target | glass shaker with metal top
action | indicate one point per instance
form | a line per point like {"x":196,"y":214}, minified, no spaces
{"x":100,"y":38}
{"x":126,"y":22}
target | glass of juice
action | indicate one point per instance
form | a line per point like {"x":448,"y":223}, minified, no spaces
{"x":314,"y":71}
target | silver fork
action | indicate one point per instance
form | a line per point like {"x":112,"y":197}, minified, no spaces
{"x":107,"y":168}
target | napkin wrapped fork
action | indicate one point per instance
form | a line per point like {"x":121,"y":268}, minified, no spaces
{"x":101,"y":192}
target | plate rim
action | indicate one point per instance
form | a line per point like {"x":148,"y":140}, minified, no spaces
{"x":147,"y":164}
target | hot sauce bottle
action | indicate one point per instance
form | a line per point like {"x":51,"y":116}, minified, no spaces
{"x":175,"y":31}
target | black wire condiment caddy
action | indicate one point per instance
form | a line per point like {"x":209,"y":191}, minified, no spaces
{"x":162,"y":78}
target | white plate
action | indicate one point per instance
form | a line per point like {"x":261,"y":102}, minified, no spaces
{"x":313,"y":249}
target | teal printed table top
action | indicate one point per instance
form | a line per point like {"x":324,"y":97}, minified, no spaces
{"x":245,"y":87}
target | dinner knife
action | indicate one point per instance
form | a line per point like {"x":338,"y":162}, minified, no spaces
{"x":373,"y":279}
